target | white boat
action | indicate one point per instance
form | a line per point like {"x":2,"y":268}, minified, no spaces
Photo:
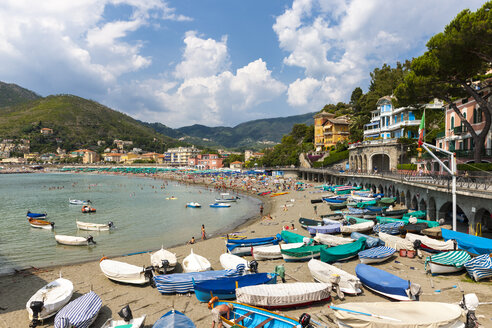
{"x":133,"y":323}
{"x":428,"y":243}
{"x":218,"y":205}
{"x":157,"y":260}
{"x":195,"y":263}
{"x":401,"y":315}
{"x":323,"y":272}
{"x":124,"y":272}
{"x":284,"y":295}
{"x":331,"y":240}
{"x":74,"y":240}
{"x":226,"y":198}
{"x":53,"y":297}
{"x":193,"y":205}
{"x":396,"y":242}
{"x":446,"y":262}
{"x":261,"y":253}
{"x":94,"y":226}
{"x":358,"y":227}
{"x":78,"y":202}
{"x":230,"y":261}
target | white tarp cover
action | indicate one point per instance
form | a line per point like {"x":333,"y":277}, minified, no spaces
{"x":162,"y":254}
{"x":395,"y":242}
{"x":283,"y":294}
{"x":230,"y":261}
{"x":121,"y":270}
{"x":54,"y":295}
{"x":272,"y":252}
{"x":332,"y":240}
{"x":357,"y":227}
{"x":411,"y":314}
{"x":323,"y":272}
{"x":438,"y":245}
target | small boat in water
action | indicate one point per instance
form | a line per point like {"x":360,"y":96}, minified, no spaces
{"x":226,"y":198}
{"x":125,"y":272}
{"x":78,"y":202}
{"x":74,"y":240}
{"x":284,"y":295}
{"x":88,"y":209}
{"x":446,"y":262}
{"x":246,"y":316}
{"x":39,"y":216}
{"x":94,"y":226}
{"x":387,"y":284}
{"x":193,"y":205}
{"x":41,"y":224}
{"x":49,"y":299}
{"x":324,"y":272}
{"x":163,"y":260}
{"x":127,"y":322}
{"x":174,"y":319}
{"x":219,"y":205}
{"x":196,"y":263}
{"x":81,"y":312}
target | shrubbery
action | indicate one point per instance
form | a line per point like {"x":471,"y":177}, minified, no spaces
{"x":333,"y":158}
{"x":409,"y":167}
{"x":475,"y":167}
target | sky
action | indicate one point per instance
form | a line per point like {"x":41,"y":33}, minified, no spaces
{"x":212,"y":62}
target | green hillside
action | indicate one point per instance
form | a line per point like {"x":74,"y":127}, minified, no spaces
{"x":76,"y":123}
{"x":12,"y":94}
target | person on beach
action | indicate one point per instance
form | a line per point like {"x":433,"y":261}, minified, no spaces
{"x":192,"y":240}
{"x":218,"y":311}
{"x":261,"y":209}
{"x":203,"y":232}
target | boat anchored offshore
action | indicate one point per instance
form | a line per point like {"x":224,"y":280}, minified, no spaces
{"x":88,"y":209}
{"x":78,"y":202}
{"x":94,"y":226}
{"x":226,"y":198}
{"x":41,"y":224}
{"x":193,"y":205}
{"x":219,"y":205}
{"x":74,"y":240}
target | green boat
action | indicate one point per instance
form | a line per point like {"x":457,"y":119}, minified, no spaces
{"x":303,"y":253}
{"x":354,"y":220}
{"x":366,"y":204}
{"x":387,"y":201}
{"x":343,"y":252}
{"x":416,"y":214}
{"x":430,"y":224}
{"x":291,"y":237}
{"x":336,"y":207}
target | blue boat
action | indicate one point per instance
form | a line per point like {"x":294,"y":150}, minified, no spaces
{"x":392,"y":228}
{"x":387,"y":284}
{"x":174,"y":319}
{"x":220,"y":205}
{"x":36,"y":215}
{"x":335,"y":200}
{"x":243,"y":246}
{"x":247,"y":316}
{"x":375,"y":209}
{"x":79,"y":313}
{"x":225,"y":288}
{"x":479,"y":267}
{"x":370,"y":241}
{"x":182,"y":283}
{"x":473,"y":244}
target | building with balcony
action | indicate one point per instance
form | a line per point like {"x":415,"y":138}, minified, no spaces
{"x":205,"y":162}
{"x":388,"y":122}
{"x":180,"y":155}
{"x":328,"y":130}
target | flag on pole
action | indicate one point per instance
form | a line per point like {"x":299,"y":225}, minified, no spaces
{"x":421,"y":130}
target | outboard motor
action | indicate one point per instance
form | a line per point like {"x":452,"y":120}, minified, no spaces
{"x":305,"y":320}
{"x":470,"y":303}
{"x":36,"y":307}
{"x":253,"y":266}
{"x":90,"y":240}
{"x":165,"y":265}
{"x":126,"y":314}
{"x":110,"y":224}
{"x":148,"y":273}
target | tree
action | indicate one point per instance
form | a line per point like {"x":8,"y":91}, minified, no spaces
{"x":355,"y":99}
{"x":454,"y":67}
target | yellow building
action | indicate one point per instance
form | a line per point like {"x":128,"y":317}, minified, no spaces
{"x":328,"y":130}
{"x":129,"y":158}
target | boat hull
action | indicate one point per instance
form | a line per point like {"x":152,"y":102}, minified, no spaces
{"x":123,"y":272}
{"x":256,"y":317}
{"x":71,"y":240}
{"x":41,"y":224}
{"x":323,"y":272}
{"x":54,"y":295}
{"x":92,"y":226}
{"x":436,"y":268}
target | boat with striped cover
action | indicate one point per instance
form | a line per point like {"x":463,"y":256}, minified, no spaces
{"x":473,"y":244}
{"x":182,"y":283}
{"x":370,"y":240}
{"x":392,"y":228}
{"x":330,"y":228}
{"x":303,"y":253}
{"x":324,"y":272}
{"x":243,"y":246}
{"x":399,"y":315}
{"x":284,"y":295}
{"x":396,"y":242}
{"x":174,"y":319}
{"x":292,"y":237}
{"x":342,"y":252}
{"x":376,"y":254}
{"x":225,"y":288}
{"x":479,"y":267}
{"x":53,"y":297}
{"x":261,"y":253}
{"x":446,"y":262}
{"x":387,"y":284}
{"x":79,"y":313}
{"x":430,"y":244}
{"x":247,"y":316}
{"x":358,"y":227}
{"x":332,"y":240}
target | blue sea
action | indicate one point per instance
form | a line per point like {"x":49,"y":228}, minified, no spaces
{"x":144,"y":219}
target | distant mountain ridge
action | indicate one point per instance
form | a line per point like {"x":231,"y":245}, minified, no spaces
{"x":11,"y":94}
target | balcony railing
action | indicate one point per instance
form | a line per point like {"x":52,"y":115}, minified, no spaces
{"x":441,"y":134}
{"x":459,"y":130}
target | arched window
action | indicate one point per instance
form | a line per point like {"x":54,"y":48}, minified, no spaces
{"x":477,"y":115}
{"x":452,"y":122}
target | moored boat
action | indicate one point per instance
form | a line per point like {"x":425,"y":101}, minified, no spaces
{"x":127,"y":322}
{"x":40,"y":216}
{"x":226,"y":197}
{"x":376,"y":254}
{"x":49,"y":299}
{"x":324,"y":272}
{"x":261,"y":253}
{"x":163,"y":260}
{"x":74,"y":240}
{"x":94,"y":226}
{"x":195,"y":263}
{"x":284,"y":295}
{"x":446,"y":262}
{"x":220,"y":205}
{"x":41,"y":224}
{"x":303,"y":253}
{"x":125,"y":272}
{"x":174,"y":319}
{"x":387,"y":284}
{"x":88,"y":209}
{"x":78,"y":202}
{"x":81,"y":312}
{"x":473,"y":244}
{"x":193,"y":205}
{"x":342,"y":252}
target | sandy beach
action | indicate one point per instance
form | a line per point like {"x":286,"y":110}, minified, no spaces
{"x":16,"y":289}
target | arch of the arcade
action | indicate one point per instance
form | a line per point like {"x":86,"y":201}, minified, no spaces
{"x":368,"y":158}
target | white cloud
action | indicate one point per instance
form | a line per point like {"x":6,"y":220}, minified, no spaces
{"x":337,"y":43}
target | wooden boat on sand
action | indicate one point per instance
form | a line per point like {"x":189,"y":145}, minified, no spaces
{"x":323,"y":272}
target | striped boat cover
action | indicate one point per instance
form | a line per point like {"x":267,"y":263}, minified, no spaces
{"x":452,"y":258}
{"x":182,"y":283}
{"x":377,"y":252}
{"x":479,"y":267}
{"x":80,"y":313}
{"x":392,"y":228}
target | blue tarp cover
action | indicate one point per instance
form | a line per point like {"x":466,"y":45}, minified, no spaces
{"x":227,"y":285}
{"x":370,"y":241}
{"x":381,"y":280}
{"x":174,"y":319}
{"x":470,"y":243}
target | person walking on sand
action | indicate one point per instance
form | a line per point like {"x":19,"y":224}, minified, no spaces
{"x":204,"y":236}
{"x":261,"y":209}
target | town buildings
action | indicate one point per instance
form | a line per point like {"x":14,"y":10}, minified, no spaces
{"x":329,"y":130}
{"x":205,"y":162}
{"x":249,"y":155}
{"x":180,"y":155}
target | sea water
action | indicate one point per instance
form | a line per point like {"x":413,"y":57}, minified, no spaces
{"x":143,"y":217}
